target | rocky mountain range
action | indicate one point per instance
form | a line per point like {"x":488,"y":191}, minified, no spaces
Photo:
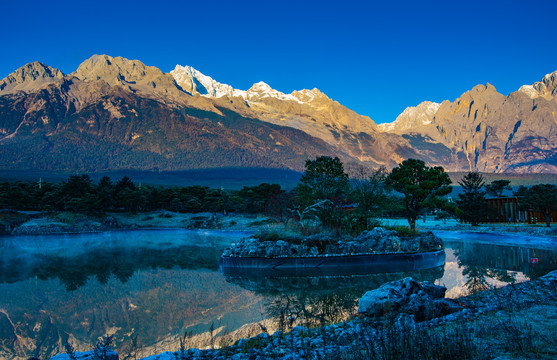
{"x":493,"y":132}
{"x":113,"y":113}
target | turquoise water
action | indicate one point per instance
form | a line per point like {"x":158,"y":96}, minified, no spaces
{"x":149,"y":287}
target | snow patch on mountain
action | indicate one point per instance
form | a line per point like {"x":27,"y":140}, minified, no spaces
{"x":546,"y":88}
{"x":194,"y":81}
{"x":262,"y":90}
{"x":529,"y":91}
{"x":412,"y":117}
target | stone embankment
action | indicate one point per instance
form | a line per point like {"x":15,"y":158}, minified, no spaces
{"x":376,"y":241}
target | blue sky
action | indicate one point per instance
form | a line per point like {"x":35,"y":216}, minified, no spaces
{"x":376,"y":58}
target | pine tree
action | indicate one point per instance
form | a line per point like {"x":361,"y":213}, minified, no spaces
{"x":497,"y":187}
{"x":324,"y":187}
{"x":421,"y":185}
{"x":542,"y":198}
{"x":471,"y":201}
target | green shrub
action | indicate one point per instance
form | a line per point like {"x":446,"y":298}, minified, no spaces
{"x":403,"y":231}
{"x":354,"y":223}
{"x":67,"y":217}
{"x":275,"y":236}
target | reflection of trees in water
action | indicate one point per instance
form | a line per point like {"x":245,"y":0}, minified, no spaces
{"x":311,"y":309}
{"x":477,"y":277}
{"x":121,"y":263}
{"x":318,"y":300}
{"x":481,"y":262}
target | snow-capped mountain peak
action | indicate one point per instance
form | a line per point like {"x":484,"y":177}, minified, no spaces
{"x":261,"y":86}
{"x":194,"y":81}
{"x":262,"y":90}
{"x":308,"y":96}
{"x":546,"y":88}
{"x":412,"y":117}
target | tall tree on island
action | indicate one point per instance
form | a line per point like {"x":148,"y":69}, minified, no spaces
{"x":471,"y":201}
{"x":421,"y":185}
{"x":323,"y":187}
{"x":368,"y":189}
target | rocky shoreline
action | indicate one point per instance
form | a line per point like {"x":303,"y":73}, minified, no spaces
{"x":35,"y":223}
{"x":410,"y":309}
{"x":38,"y":224}
{"x":407,"y":319}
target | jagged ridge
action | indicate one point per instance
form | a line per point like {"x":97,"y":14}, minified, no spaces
{"x":481,"y":130}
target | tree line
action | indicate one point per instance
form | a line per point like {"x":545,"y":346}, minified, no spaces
{"x":349,"y":201}
{"x":80,"y":194}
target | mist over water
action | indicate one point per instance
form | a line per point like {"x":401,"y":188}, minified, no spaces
{"x":156,"y":285}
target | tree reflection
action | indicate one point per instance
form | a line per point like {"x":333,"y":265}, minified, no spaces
{"x":476,"y":278}
{"x":317,"y":300}
{"x":483,"y":262}
{"x":73,"y":279}
{"x":102,"y":264}
{"x":311,"y":309}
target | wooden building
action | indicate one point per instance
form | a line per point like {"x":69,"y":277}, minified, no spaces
{"x":506,"y":210}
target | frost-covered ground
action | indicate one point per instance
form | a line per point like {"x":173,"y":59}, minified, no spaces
{"x":503,"y":234}
{"x":499,"y":238}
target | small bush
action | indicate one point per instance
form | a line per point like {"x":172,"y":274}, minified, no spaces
{"x":275,"y":236}
{"x":354,"y":224}
{"x":67,"y":217}
{"x":102,"y":349}
{"x":403,"y":231}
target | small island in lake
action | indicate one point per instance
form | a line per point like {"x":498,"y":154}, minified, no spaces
{"x":377,"y":250}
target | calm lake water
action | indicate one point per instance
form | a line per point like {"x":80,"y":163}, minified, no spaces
{"x":148,"y":288}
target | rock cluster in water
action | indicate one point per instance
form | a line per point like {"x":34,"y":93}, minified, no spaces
{"x":376,"y":241}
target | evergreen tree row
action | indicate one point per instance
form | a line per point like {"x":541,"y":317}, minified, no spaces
{"x":325,"y":192}
{"x":80,"y":194}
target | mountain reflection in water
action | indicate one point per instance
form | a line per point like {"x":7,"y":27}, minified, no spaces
{"x":317,"y":300}
{"x":153,"y":286}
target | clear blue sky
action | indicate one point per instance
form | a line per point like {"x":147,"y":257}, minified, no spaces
{"x":376,"y":58}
